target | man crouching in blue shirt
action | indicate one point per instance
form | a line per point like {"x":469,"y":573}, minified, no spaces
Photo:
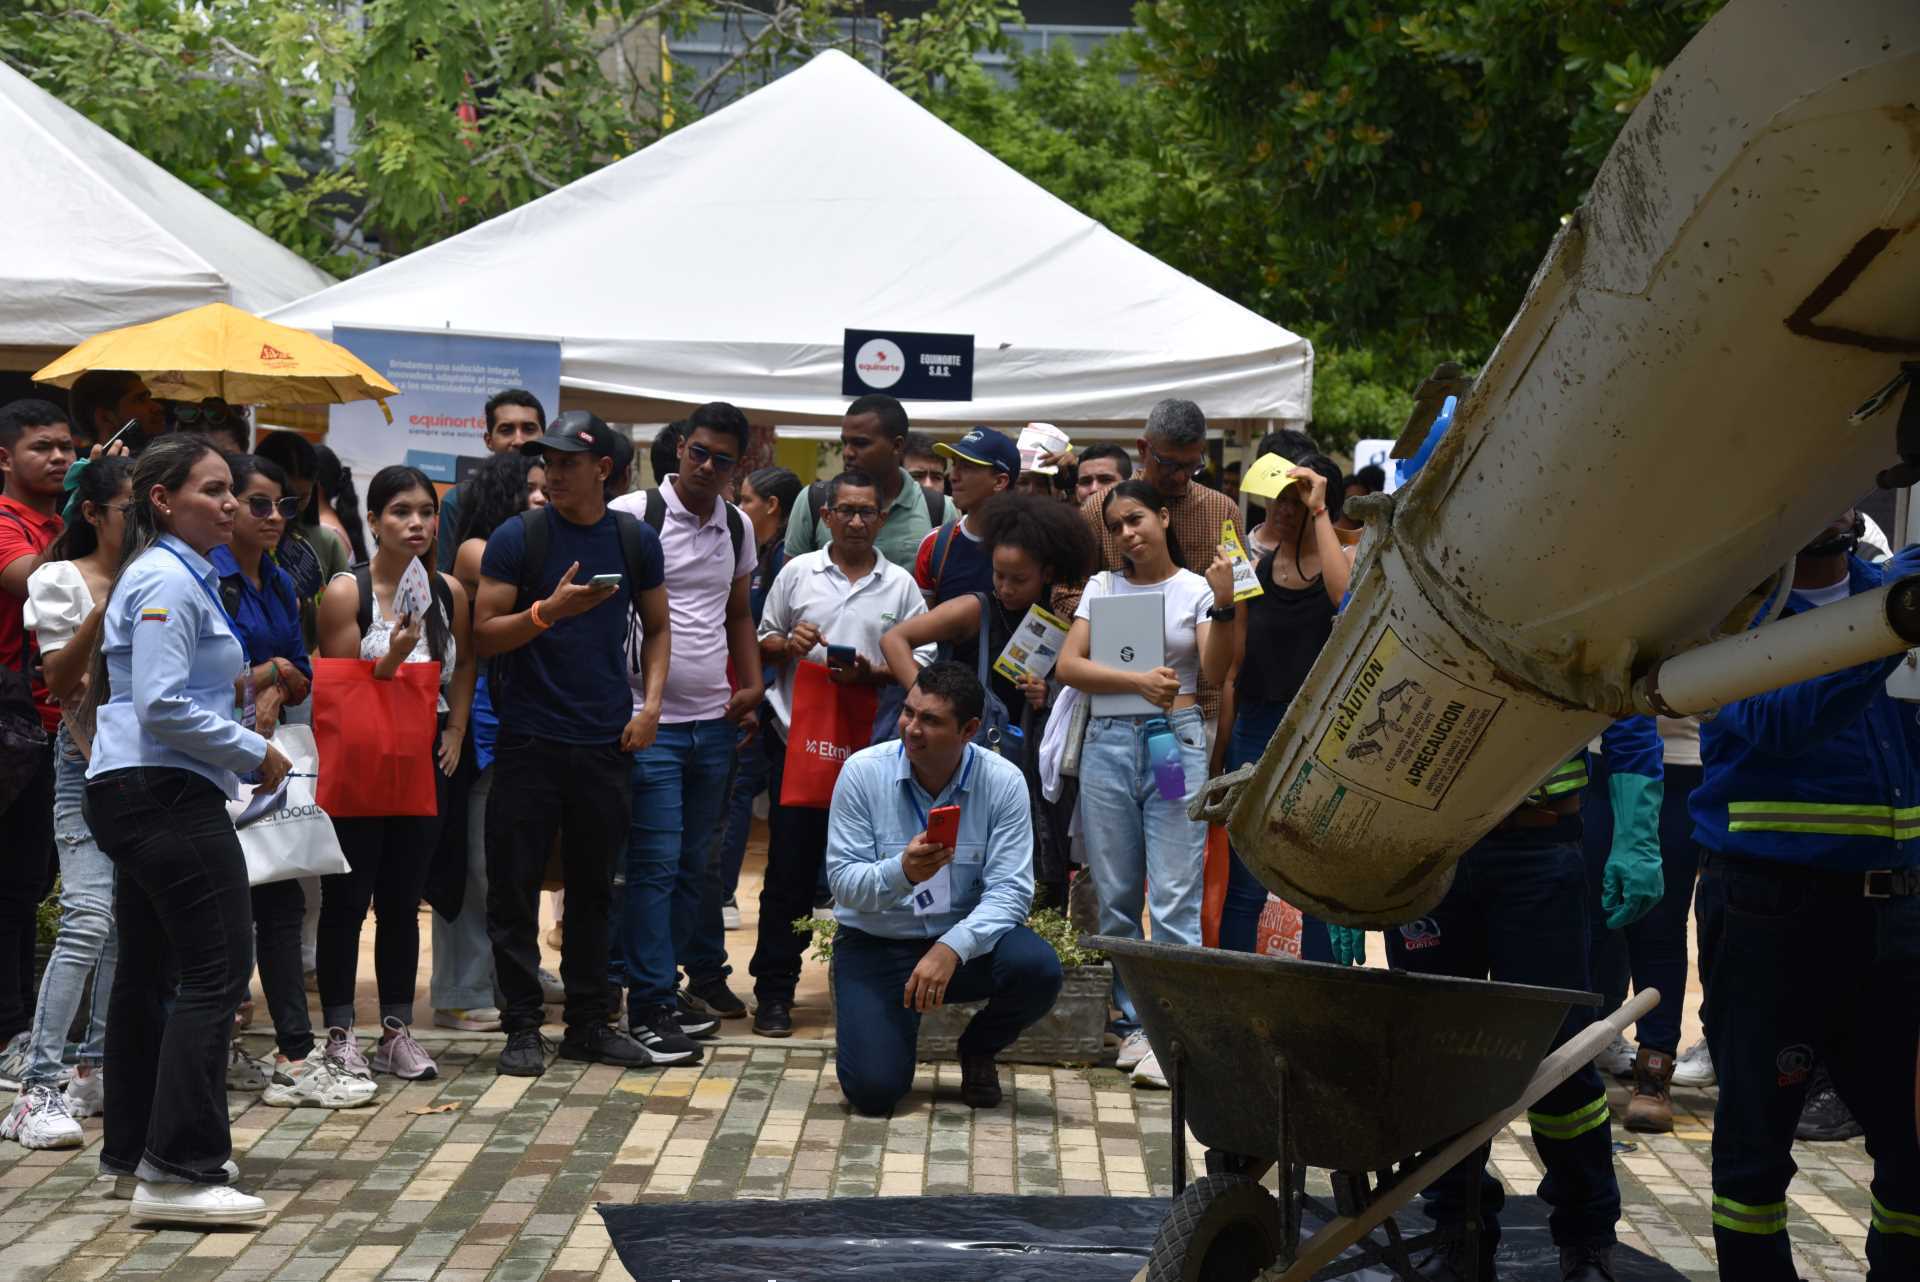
{"x":922,"y":924}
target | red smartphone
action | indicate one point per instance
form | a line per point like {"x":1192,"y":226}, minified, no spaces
{"x":943,"y":825}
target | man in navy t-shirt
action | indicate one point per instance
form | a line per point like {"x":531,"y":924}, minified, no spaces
{"x":954,"y":561}
{"x":559,"y":634}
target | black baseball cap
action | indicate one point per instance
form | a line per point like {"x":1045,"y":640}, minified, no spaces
{"x":579,"y":431}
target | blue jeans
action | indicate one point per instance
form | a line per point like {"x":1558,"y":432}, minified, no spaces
{"x":1517,"y":913}
{"x":86,"y":939}
{"x":1651,"y":951}
{"x":877,"y":1036}
{"x":1141,"y":847}
{"x":679,"y":787}
{"x":1253,"y":727}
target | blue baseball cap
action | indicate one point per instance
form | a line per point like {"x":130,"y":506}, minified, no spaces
{"x":987,"y":448}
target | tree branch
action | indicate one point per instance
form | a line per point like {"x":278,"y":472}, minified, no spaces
{"x":633,"y":24}
{"x":526,"y":163}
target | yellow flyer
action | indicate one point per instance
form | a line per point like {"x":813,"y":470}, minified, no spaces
{"x":1034,"y":645}
{"x":1246,"y":583}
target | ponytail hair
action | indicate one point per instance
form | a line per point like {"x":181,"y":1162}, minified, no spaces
{"x":388,"y":484}
{"x":166,"y":463}
{"x":97,"y":483}
{"x":335,"y":479}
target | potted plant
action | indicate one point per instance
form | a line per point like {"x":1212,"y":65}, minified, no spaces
{"x":1072,"y":1032}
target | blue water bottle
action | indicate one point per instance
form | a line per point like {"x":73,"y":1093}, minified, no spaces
{"x":1163,"y":750}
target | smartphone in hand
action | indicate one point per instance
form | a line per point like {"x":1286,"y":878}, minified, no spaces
{"x":604,"y":581}
{"x":943,"y":826}
{"x":840,"y":656}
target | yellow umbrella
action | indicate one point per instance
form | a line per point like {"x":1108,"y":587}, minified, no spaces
{"x":218,"y":350}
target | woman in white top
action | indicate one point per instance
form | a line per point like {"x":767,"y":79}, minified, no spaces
{"x":63,"y":612}
{"x":390,"y":856}
{"x":1140,"y":844}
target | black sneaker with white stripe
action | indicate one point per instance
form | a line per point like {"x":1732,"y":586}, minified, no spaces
{"x":655,"y":1028}
{"x":692,"y":1020}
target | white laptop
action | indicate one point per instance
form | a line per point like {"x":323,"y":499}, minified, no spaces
{"x":1130,"y":633}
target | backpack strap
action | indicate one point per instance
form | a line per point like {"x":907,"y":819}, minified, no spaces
{"x":982,"y":662}
{"x":816,"y":498}
{"x":942,"y":548}
{"x":363,"y":579}
{"x":633,"y":551}
{"x":656,"y":513}
{"x":936,"y":506}
{"x":736,"y":527}
{"x":230,"y":595}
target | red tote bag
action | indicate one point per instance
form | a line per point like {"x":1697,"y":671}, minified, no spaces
{"x":377,"y":739}
{"x":829,"y":724}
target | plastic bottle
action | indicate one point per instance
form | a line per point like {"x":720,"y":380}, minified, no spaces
{"x":1163,"y":751}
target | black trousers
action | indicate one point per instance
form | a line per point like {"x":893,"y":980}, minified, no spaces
{"x":31,"y":864}
{"x":796,"y":854}
{"x":279,"y":908}
{"x":182,"y":908}
{"x":536,"y":784}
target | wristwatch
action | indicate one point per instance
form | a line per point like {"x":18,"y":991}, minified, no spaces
{"x":1221,"y":613}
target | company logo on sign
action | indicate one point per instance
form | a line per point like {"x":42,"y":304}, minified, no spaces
{"x":273,"y":355}
{"x":1795,"y":1065}
{"x":879,"y":363}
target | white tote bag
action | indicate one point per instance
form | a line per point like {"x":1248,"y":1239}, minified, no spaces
{"x":296,"y":839}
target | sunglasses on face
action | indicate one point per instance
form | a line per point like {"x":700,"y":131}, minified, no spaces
{"x":260,"y":507}
{"x":701,"y":454}
{"x":211,"y":412}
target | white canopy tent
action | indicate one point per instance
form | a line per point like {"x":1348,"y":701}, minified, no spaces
{"x":95,"y":236}
{"x":726,"y":260}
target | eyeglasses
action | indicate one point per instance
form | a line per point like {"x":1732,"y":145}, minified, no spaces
{"x":863,"y":514}
{"x":701,"y":454}
{"x":260,"y":507}
{"x":1177,"y":467}
{"x":121,"y":508}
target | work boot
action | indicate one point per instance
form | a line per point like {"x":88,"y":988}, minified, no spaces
{"x":979,"y":1081}
{"x":774,"y":1018}
{"x":1650,"y":1111}
{"x":1448,"y":1263}
{"x":1587,"y":1263}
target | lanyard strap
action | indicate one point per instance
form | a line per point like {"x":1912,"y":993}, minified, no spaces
{"x":212,"y":596}
{"x":966,"y":769}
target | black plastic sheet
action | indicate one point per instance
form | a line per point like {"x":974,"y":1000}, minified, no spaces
{"x":974,"y":1239}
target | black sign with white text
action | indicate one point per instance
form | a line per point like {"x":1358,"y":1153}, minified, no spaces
{"x":907,"y":366}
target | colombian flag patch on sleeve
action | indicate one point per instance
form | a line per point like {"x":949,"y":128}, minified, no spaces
{"x":153,"y":614}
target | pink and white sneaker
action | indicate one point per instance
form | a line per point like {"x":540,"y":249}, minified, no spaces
{"x":399,"y":1055}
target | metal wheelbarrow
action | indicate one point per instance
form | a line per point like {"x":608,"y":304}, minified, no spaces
{"x":1383,"y":1078}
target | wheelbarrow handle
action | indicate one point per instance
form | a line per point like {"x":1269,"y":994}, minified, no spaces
{"x":1219,"y":795}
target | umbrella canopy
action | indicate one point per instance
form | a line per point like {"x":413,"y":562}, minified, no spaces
{"x":218,"y":350}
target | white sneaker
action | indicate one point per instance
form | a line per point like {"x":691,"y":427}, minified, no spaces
{"x":1695,"y":1067}
{"x":245,"y":1073}
{"x":87,"y":1096}
{"x":318,"y":1082}
{"x":1617,"y":1059}
{"x":124,"y":1185}
{"x":195,"y":1204}
{"x":1147,"y":1073}
{"x":1134,"y":1049}
{"x":15,"y":1056}
{"x":730,"y":915}
{"x":39,"y":1119}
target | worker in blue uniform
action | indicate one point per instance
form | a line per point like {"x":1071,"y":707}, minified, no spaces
{"x":1808,"y":812}
{"x":1518,"y":912}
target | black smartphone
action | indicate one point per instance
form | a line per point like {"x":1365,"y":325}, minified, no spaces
{"x":131,"y":425}
{"x":840,"y":656}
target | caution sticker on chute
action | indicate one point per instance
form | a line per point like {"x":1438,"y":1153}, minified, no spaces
{"x":1403,"y":728}
{"x":1318,"y":806}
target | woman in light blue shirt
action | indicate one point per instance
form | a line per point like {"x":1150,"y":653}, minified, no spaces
{"x":166,"y":698}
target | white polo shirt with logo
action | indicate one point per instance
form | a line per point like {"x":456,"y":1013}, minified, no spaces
{"x":700,"y":571}
{"x":812,"y":589}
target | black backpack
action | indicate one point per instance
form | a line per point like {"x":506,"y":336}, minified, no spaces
{"x":537,"y":526}
{"x":23,"y":740}
{"x":363,"y":579}
{"x":817,"y":499}
{"x":656,"y":516}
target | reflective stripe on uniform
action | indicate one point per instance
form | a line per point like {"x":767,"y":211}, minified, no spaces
{"x":1887,"y":1221}
{"x":1568,"y":776}
{"x":1843,"y":819}
{"x":1738,"y":1217}
{"x":1566,"y":1126}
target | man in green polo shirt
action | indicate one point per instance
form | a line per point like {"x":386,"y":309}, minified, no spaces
{"x":873,"y":439}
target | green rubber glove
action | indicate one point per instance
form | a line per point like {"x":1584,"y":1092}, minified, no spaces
{"x":1349,"y":945}
{"x":1634,"y":880}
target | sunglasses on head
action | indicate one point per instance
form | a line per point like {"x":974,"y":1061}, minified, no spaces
{"x":260,"y":507}
{"x":701,"y":454}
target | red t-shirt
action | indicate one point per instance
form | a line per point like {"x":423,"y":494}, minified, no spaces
{"x":24,"y":532}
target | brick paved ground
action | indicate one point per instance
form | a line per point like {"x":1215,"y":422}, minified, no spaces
{"x":501,"y":1187}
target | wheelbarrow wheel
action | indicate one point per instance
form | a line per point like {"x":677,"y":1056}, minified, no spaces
{"x":1223,"y":1228}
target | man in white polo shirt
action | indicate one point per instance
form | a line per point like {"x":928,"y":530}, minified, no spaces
{"x":845,"y":594}
{"x":680,"y":780}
